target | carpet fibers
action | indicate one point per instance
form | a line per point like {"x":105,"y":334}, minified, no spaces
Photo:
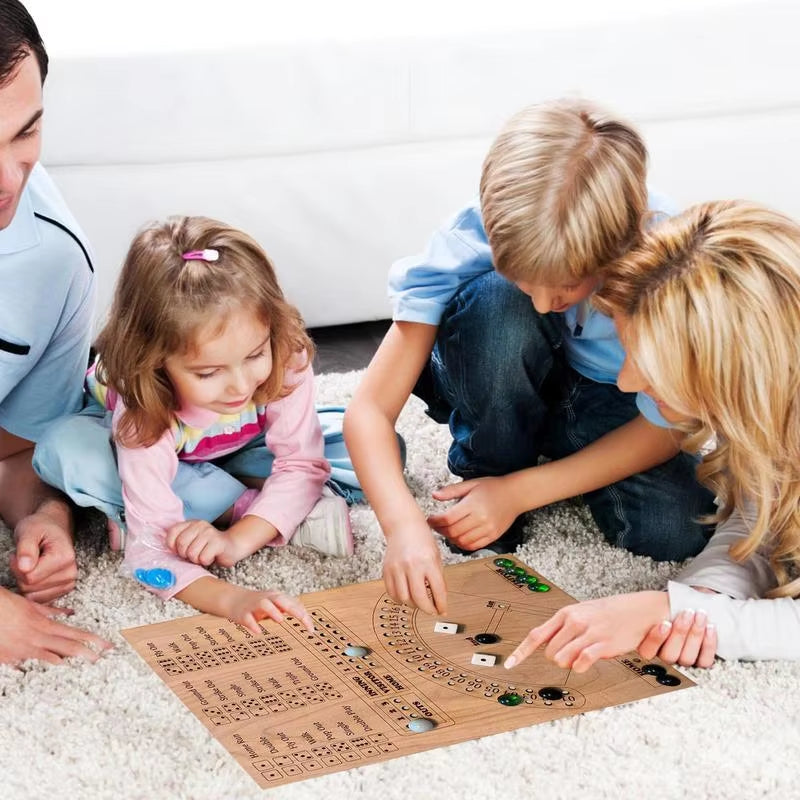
{"x":114,"y":730}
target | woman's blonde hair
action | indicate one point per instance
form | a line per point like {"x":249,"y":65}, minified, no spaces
{"x":162,"y":301}
{"x":563,"y":192}
{"x":712,"y":303}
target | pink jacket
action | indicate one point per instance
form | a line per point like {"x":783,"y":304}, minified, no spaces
{"x":292,"y":434}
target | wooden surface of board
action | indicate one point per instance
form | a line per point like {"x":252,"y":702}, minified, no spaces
{"x":290,"y":704}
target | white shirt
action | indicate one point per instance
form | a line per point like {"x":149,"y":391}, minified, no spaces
{"x":748,"y":627}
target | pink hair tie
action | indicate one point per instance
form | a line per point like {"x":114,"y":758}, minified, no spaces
{"x":201,"y":255}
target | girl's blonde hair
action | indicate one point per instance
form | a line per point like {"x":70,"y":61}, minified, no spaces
{"x":563,"y":192}
{"x":162,"y":302}
{"x":712,"y":303}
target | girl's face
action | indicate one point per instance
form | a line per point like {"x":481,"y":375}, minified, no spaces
{"x":630,"y":378}
{"x":223,"y":370}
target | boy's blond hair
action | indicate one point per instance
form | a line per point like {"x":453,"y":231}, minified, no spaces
{"x":563,"y":192}
{"x":712,"y":303}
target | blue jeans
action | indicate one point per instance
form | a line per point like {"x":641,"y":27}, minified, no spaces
{"x":76,"y":455}
{"x":498,"y":376}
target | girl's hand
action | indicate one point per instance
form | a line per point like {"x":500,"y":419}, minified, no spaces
{"x":248,"y":606}
{"x":412,"y":566}
{"x":484,"y":511}
{"x":690,"y":640}
{"x":197,"y":541}
{"x":580,"y":634}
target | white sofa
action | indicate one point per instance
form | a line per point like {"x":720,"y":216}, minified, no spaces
{"x":341,"y":151}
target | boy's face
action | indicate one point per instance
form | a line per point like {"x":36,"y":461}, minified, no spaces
{"x":20,"y":134}
{"x":560,"y":297}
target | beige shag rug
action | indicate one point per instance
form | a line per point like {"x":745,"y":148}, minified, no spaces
{"x":114,"y":730}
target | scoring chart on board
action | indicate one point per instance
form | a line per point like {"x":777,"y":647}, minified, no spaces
{"x":377,"y":679}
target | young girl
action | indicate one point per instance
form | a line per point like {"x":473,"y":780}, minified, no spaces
{"x":709,"y":310}
{"x":203,"y":374}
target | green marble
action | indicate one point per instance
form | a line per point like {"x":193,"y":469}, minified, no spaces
{"x":510,"y":699}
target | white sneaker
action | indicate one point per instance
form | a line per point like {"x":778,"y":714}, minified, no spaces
{"x":484,"y":552}
{"x":326,"y":529}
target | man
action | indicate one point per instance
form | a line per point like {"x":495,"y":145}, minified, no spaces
{"x":46,"y":307}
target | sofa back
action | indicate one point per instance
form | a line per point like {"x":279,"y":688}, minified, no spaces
{"x":341,"y":156}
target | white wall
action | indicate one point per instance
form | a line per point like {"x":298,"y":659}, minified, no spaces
{"x":340,"y":134}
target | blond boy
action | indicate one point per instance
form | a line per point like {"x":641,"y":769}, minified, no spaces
{"x":494,"y":328}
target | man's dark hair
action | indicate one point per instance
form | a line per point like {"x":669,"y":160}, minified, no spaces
{"x":19,"y":37}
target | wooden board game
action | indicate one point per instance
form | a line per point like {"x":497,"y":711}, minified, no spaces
{"x":377,"y":679}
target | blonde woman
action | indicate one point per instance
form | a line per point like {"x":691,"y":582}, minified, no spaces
{"x":494,"y":329}
{"x":708,"y":308}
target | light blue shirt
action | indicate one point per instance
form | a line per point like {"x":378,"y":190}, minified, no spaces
{"x":46,"y":310}
{"x":421,"y":286}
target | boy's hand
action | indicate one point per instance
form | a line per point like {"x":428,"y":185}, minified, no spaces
{"x":580,"y":634}
{"x":690,"y":640}
{"x":484,"y":511}
{"x":412,"y":565}
{"x":197,"y":541}
{"x":248,"y":606}
{"x":44,"y":562}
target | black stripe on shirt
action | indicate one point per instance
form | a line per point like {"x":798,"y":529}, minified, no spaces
{"x":69,"y":233}
{"x":16,"y":349}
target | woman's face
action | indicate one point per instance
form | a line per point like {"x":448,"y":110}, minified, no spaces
{"x":630,"y":378}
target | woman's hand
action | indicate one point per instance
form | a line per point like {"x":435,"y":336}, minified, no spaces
{"x":580,"y":634}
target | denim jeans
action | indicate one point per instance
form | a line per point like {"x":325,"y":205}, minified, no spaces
{"x":76,"y":455}
{"x":497,"y":375}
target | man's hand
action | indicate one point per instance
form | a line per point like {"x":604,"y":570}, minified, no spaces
{"x":44,"y":562}
{"x":29,"y":630}
{"x":484,"y":511}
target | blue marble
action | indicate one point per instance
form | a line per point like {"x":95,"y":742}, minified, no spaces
{"x":156,"y":578}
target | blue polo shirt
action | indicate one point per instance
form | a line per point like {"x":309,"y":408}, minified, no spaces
{"x":46,"y":310}
{"x":420,"y":287}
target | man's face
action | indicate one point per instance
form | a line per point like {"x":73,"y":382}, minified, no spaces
{"x":20,"y":134}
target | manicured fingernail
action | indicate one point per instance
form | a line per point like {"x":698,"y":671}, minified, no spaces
{"x":687,"y":614}
{"x":510,"y":662}
{"x":25,"y":563}
{"x":711,"y":626}
{"x":665,"y":626}
{"x":700,"y":617}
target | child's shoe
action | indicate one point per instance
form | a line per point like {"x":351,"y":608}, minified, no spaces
{"x":326,"y":529}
